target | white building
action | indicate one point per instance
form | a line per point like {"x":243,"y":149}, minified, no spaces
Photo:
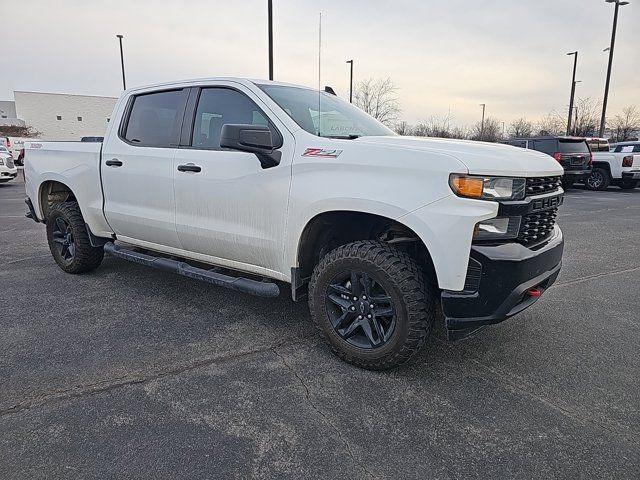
{"x":64,"y":117}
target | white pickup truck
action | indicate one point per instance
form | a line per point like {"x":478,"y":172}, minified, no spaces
{"x":620,"y":167}
{"x":249,"y":184}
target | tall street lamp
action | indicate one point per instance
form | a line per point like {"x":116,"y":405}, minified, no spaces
{"x":573,"y":89}
{"x":270,"y":14}
{"x":124,"y":82}
{"x":618,"y":4}
{"x":483,"y":105}
{"x":351,"y":82}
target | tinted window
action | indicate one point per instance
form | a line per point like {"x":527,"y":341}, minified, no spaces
{"x":155,"y":118}
{"x":518,"y":143}
{"x":547,"y":146}
{"x":573,"y":146}
{"x":219,"y":106}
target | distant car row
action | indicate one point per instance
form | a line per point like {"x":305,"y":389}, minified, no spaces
{"x":8,"y":170}
{"x":591,"y":161}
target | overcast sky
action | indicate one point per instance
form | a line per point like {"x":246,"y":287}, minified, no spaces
{"x":442,"y":55}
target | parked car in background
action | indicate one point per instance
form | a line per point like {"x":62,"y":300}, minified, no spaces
{"x":278,"y":182}
{"x":620,"y":167}
{"x":598,"y":144}
{"x":20,"y":160}
{"x":572,"y":153}
{"x":8,"y":170}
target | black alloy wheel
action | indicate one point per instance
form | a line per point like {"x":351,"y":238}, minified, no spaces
{"x":360,"y":309}
{"x":62,"y":237}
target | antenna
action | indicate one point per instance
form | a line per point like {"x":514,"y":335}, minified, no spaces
{"x":319,"y":68}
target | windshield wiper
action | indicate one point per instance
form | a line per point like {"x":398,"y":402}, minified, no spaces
{"x":342,"y":137}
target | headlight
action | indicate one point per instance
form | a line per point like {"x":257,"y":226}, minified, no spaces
{"x":1,"y":161}
{"x":500,"y":228}
{"x":487,"y":188}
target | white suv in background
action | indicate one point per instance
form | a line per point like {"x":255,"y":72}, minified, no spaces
{"x":8,"y":170}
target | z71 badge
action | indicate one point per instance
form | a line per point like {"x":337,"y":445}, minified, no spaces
{"x":321,"y":152}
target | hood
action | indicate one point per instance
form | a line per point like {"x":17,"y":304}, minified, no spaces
{"x":480,"y":158}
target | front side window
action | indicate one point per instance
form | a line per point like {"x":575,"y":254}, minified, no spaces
{"x":155,"y":118}
{"x":324,"y":114}
{"x":220,"y":106}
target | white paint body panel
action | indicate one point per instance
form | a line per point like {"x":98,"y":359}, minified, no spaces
{"x":614,"y":159}
{"x":238,"y":215}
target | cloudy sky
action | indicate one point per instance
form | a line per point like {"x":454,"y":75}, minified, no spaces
{"x":447,"y":55}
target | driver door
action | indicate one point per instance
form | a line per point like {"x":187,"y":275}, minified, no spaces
{"x":228,"y":207}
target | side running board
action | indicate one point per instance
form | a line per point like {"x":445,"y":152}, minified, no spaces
{"x":240,"y":284}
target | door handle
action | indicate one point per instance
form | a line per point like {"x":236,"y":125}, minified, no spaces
{"x":189,"y":167}
{"x":114,"y":162}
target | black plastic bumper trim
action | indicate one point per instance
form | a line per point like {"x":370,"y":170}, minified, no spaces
{"x":508,"y":271}
{"x":32,"y":212}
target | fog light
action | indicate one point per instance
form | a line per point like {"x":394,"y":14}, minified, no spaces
{"x":497,"y":228}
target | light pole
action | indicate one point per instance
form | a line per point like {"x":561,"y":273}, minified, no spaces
{"x":124,"y":82}
{"x":575,"y":123}
{"x":270,"y":14}
{"x":618,"y":4}
{"x":573,"y":89}
{"x":351,"y":82}
{"x":483,"y":105}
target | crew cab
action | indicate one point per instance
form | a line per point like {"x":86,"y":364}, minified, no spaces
{"x":619,"y":167}
{"x":250,"y":185}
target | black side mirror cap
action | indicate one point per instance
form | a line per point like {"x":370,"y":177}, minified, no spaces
{"x":253,"y":139}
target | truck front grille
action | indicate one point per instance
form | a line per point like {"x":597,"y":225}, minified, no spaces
{"x":537,"y":226}
{"x":538,"y":185}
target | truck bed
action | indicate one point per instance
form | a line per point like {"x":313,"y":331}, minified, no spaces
{"x":74,"y":164}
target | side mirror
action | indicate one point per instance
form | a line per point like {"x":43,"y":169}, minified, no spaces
{"x":253,"y":139}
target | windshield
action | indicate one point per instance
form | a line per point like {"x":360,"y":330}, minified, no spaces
{"x":336,"y":118}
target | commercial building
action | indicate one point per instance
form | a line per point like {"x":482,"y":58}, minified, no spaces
{"x":61,"y":116}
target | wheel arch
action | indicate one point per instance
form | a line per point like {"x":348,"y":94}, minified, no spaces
{"x":603,"y":165}
{"x":52,"y":192}
{"x":330,"y":229}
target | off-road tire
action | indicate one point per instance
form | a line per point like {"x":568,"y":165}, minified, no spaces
{"x":599,"y":179}
{"x":403,"y":279}
{"x":85,"y":257}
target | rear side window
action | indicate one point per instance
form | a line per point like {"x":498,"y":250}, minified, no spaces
{"x":573,"y":146}
{"x":518,"y":143}
{"x":220,"y":106}
{"x":155,"y":119}
{"x":548,"y":146}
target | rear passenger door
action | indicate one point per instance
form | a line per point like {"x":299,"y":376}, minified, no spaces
{"x":137,"y":169}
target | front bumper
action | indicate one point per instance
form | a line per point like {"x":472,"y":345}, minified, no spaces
{"x":7,"y":174}
{"x":498,"y":280}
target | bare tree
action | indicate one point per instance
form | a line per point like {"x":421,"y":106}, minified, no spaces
{"x":491,"y":131}
{"x":625,"y":126}
{"x":586,"y":118}
{"x":439,"y":127}
{"x":403,"y":128}
{"x":378,"y":98}
{"x":521,"y":128}
{"x":18,"y":131}
{"x":551,"y":124}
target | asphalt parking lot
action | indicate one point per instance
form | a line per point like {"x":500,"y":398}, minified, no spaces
{"x":128,"y":372}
